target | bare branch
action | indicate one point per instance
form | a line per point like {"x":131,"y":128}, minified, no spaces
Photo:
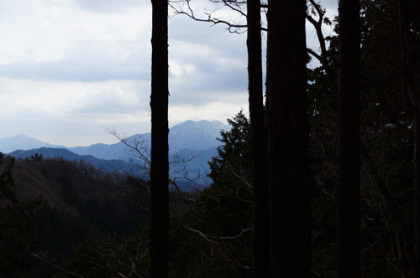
{"x":317,"y":9}
{"x":217,"y":241}
{"x":50,"y":263}
{"x":137,"y":147}
{"x":316,"y":55}
{"x":184,"y":7}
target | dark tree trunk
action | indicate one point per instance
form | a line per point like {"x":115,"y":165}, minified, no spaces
{"x":290,"y":254}
{"x":159,"y":149}
{"x":348,"y":184}
{"x":408,"y":90}
{"x":416,"y":260}
{"x":259,"y":142}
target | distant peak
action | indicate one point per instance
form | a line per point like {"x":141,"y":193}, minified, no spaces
{"x":21,"y":135}
{"x":200,"y":123}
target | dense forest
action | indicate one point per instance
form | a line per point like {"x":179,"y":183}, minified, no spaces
{"x":321,"y":180}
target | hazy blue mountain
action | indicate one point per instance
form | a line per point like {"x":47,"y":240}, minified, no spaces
{"x":194,"y":136}
{"x":21,"y":142}
{"x":186,"y":165}
{"x":107,"y":165}
{"x":192,"y":164}
{"x":115,"y":151}
{"x":192,"y":145}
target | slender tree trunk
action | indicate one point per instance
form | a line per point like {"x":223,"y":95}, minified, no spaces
{"x":290,"y":253}
{"x":416,"y":260}
{"x":159,"y":149}
{"x":259,"y":142}
{"x":407,"y":90}
{"x":348,"y":184}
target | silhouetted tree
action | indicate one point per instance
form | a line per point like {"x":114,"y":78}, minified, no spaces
{"x":259,"y":141}
{"x":348,"y":183}
{"x":159,"y":173}
{"x":17,"y":236}
{"x":409,"y":14}
{"x":288,"y":139}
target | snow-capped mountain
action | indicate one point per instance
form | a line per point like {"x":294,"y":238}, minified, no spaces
{"x":186,"y":140}
{"x":190,"y":135}
{"x":194,"y":136}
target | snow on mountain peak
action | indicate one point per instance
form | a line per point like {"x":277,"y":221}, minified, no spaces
{"x":195,"y":135}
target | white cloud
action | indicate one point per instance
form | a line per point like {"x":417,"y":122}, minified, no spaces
{"x":109,"y":6}
{"x":71,"y":68}
{"x":66,"y":98}
{"x":220,"y":110}
{"x":45,"y":107}
{"x":38,"y":31}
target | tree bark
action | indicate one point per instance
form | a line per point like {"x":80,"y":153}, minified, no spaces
{"x":290,"y":253}
{"x":408,"y":90}
{"x":416,"y":260}
{"x":348,"y":184}
{"x":159,"y":174}
{"x":258,"y":141}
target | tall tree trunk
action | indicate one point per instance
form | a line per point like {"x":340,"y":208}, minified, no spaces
{"x":290,"y":253}
{"x":408,"y":90}
{"x":348,"y":183}
{"x":416,"y":261}
{"x":259,"y":142}
{"x":159,"y":149}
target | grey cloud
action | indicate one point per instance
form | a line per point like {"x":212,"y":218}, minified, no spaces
{"x":113,"y":104}
{"x":109,"y":6}
{"x":182,"y":28}
{"x":87,"y":69}
{"x":211,"y":80}
{"x":330,"y":4}
{"x":208,"y":86}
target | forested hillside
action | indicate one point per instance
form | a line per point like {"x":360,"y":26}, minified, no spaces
{"x":62,"y":203}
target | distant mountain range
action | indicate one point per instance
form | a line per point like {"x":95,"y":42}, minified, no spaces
{"x":22,"y":142}
{"x":192,"y":145}
{"x":112,"y":165}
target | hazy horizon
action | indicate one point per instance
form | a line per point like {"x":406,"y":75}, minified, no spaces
{"x":106,"y":133}
{"x":70,"y":69}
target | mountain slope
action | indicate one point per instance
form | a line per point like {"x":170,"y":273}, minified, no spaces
{"x":187,"y":140}
{"x":106,"y":165}
{"x":195,"y":136}
{"x":22,"y":142}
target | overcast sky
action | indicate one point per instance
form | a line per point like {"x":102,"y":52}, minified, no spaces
{"x":70,"y":69}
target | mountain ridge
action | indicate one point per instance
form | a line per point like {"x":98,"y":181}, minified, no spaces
{"x":192,"y":135}
{"x":189,"y":139}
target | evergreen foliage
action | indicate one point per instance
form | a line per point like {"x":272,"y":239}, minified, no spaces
{"x":215,"y":232}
